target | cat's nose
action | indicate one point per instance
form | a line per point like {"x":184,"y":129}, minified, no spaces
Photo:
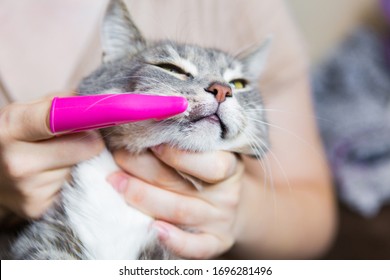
{"x":220,"y":91}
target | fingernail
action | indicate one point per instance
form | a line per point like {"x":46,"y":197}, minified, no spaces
{"x":162,"y":231}
{"x":158,"y":149}
{"x":118,"y":181}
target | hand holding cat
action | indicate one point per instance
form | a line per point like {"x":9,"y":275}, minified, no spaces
{"x":36,"y":164}
{"x":209,"y":215}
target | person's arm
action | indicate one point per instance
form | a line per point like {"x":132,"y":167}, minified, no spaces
{"x":33,"y":163}
{"x":294,"y":217}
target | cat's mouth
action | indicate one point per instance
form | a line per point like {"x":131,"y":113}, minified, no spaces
{"x":213,"y":119}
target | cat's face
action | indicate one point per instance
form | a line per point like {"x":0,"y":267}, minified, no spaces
{"x":225,"y":109}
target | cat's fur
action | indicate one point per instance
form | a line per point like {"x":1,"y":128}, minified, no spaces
{"x":91,"y":220}
{"x":355,"y":79}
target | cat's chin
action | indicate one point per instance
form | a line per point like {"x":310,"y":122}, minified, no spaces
{"x":205,"y":135}
{"x":211,"y":123}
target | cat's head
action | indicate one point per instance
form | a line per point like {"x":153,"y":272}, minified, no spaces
{"x":225,"y":109}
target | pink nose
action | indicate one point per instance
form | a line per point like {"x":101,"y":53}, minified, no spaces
{"x":220,"y":91}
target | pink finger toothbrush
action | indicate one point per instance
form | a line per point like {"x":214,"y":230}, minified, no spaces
{"x":78,"y":113}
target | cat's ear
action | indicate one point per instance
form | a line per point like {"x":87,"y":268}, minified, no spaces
{"x":255,"y":58}
{"x":120,"y":36}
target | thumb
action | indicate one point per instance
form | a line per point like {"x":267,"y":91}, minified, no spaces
{"x":27,"y":121}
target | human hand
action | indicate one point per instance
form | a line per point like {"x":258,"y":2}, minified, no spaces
{"x":33,"y":163}
{"x":192,"y":224}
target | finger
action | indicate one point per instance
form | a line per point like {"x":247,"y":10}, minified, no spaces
{"x":34,"y":209}
{"x":27,"y":122}
{"x":34,"y":206}
{"x":25,"y":158}
{"x":38,"y":193}
{"x":210,"y":167}
{"x":148,"y":168}
{"x":190,"y":245}
{"x":163,"y":204}
{"x":36,"y":185}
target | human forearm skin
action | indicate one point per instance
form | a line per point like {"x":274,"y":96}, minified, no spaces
{"x":292,"y":216}
{"x":282,"y":223}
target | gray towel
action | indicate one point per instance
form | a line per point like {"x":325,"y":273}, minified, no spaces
{"x":352,"y":99}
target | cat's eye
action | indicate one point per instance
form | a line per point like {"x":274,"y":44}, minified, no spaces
{"x":173,"y":69}
{"x":238,"y":83}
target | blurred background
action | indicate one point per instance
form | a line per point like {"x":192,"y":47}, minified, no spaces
{"x":325,"y":25}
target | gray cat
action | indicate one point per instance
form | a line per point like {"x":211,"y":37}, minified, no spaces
{"x":91,"y":220}
{"x":352,"y":92}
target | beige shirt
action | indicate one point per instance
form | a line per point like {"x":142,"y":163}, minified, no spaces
{"x":49,"y":45}
{"x":43,"y":44}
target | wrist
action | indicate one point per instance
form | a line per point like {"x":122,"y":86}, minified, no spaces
{"x":251,"y":220}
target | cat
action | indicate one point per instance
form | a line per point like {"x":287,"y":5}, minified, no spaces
{"x":355,"y":78}
{"x":91,"y":220}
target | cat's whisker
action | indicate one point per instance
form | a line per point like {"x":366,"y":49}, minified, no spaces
{"x":267,"y":170}
{"x":258,"y":157}
{"x":310,"y":146}
{"x":105,"y":134}
{"x":295,"y":114}
{"x":257,"y":146}
{"x":265,"y":165}
{"x":268,"y":177}
{"x":276,"y":160}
